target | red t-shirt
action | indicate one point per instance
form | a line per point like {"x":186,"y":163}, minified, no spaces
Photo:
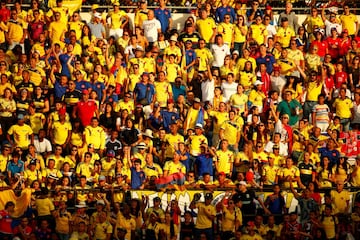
{"x":334,"y":51}
{"x":26,"y":231}
{"x":322,"y":46}
{"x":340,"y":78}
{"x":85,"y":111}
{"x":5,"y":222}
{"x":344,"y":46}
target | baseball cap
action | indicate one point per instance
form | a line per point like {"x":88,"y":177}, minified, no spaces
{"x":97,"y":15}
{"x":110,"y":153}
{"x":242,"y":183}
{"x":85,"y":92}
{"x":100,"y":202}
{"x":197,"y":100}
{"x":20,"y":116}
{"x":102,"y":178}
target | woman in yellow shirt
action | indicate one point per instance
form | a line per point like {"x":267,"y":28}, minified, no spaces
{"x":240,"y":33}
{"x":294,"y":86}
{"x":231,"y":216}
{"x":247,"y":76}
{"x":323,"y":174}
{"x":228,"y":67}
{"x":34,"y":6}
{"x":87,"y":38}
{"x":342,"y":170}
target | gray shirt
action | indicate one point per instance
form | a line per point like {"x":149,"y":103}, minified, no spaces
{"x":96,"y":29}
{"x":293,"y":20}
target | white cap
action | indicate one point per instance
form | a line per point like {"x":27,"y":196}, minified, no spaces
{"x":258,"y":82}
{"x":97,"y":15}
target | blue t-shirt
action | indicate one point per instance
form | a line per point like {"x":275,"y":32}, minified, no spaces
{"x":140,"y":91}
{"x":204,"y":164}
{"x":59,"y":90}
{"x":221,"y":11}
{"x":163,"y":15}
{"x":82,"y":85}
{"x":64,"y":58}
{"x":268,"y":60}
{"x":177,"y":91}
{"x":333,"y":155}
{"x":168,"y":118}
{"x":15,"y":168}
{"x":98,"y":87}
{"x":137,"y":178}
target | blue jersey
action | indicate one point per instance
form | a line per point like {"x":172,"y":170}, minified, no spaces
{"x":137,"y":178}
{"x":163,"y":15}
{"x":204,"y":164}
{"x":222,"y":11}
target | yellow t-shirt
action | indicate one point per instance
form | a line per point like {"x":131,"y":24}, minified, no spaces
{"x":121,"y":105}
{"x":102,"y":229}
{"x":293,"y":172}
{"x":313,"y":91}
{"x":116,"y":18}
{"x":77,"y":27}
{"x":241,"y":63}
{"x":343,"y":107}
{"x":203,"y":221}
{"x":60,"y":132}
{"x":63,"y":223}
{"x":218,"y":119}
{"x":258,"y":33}
{"x":195,"y":142}
{"x":206,"y":28}
{"x":172,"y":167}
{"x":270,"y":173}
{"x":239,"y":100}
{"x":36,"y":122}
{"x":340,"y":199}
{"x":44,"y":206}
{"x":163,"y":90}
{"x":238,"y":36}
{"x":21,"y":135}
{"x":231,"y":130}
{"x":227,"y":31}
{"x":329,"y":223}
{"x":95,"y":136}
{"x":56,"y":30}
{"x":85,"y":169}
{"x":348,"y":22}
{"x":172,"y":70}
{"x":16,"y":29}
{"x":203,"y":55}
{"x":228,"y":222}
{"x":225,"y":160}
{"x":172,"y":141}
{"x":154,"y":170}
{"x":285,"y":35}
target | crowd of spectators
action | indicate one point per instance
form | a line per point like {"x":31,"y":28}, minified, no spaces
{"x":239,"y":100}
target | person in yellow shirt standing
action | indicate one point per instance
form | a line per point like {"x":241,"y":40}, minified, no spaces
{"x":224,"y":159}
{"x":141,"y":13}
{"x":284,"y":33}
{"x":59,"y":8}
{"x":76,"y":24}
{"x":226,"y":29}
{"x":206,"y":27}
{"x":16,"y":31}
{"x":258,"y":31}
{"x":341,"y":198}
{"x":219,"y":117}
{"x":22,"y":133}
{"x":57,"y":30}
{"x":61,"y":130}
{"x":102,"y":228}
{"x":163,"y":89}
{"x":117,"y":20}
{"x":349,"y":21}
{"x":96,"y":135}
{"x":206,"y":215}
{"x":313,"y":20}
{"x":344,"y":109}
{"x":231,"y":131}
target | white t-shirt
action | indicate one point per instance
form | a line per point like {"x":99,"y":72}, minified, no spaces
{"x":42,"y":147}
{"x":131,"y":51}
{"x":151,"y":28}
{"x":329,"y":25}
{"x":228,"y":90}
{"x":271,"y":30}
{"x":219,"y":53}
{"x":207,"y":89}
